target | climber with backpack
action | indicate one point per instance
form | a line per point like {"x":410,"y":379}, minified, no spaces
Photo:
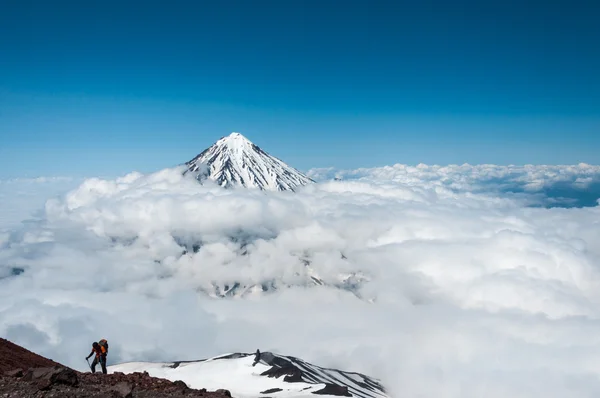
{"x":101,"y":350}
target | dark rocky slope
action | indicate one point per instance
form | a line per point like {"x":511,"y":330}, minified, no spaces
{"x":25,"y":374}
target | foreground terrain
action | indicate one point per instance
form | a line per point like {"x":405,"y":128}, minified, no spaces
{"x":25,"y":374}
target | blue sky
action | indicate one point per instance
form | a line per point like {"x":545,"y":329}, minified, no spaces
{"x":106,"y":87}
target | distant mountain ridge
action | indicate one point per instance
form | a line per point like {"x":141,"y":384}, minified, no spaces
{"x":235,"y":161}
{"x":263,"y":374}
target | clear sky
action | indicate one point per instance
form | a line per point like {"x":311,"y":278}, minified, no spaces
{"x":107,"y":87}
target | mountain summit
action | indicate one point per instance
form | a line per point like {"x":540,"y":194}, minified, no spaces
{"x":236,"y":161}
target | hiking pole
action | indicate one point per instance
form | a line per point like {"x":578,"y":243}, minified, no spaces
{"x":88,"y":361}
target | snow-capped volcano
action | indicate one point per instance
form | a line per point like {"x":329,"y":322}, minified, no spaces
{"x":261,"y":375}
{"x":235,"y":161}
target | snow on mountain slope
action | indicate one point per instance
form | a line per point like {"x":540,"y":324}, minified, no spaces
{"x":273,"y":376}
{"x":345,"y":281}
{"x":235,"y":161}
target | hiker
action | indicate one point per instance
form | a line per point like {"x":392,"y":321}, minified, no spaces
{"x":256,"y":357}
{"x":101,"y":350}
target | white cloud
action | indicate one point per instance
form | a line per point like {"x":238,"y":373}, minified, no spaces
{"x":576,"y":180}
{"x":473,"y":293}
{"x":21,"y":198}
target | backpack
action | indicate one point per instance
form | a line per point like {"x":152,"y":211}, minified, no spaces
{"x":103,"y":346}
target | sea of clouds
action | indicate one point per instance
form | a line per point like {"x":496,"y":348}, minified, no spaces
{"x":483,"y":281}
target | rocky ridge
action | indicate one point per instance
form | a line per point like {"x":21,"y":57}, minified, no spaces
{"x":26,"y":374}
